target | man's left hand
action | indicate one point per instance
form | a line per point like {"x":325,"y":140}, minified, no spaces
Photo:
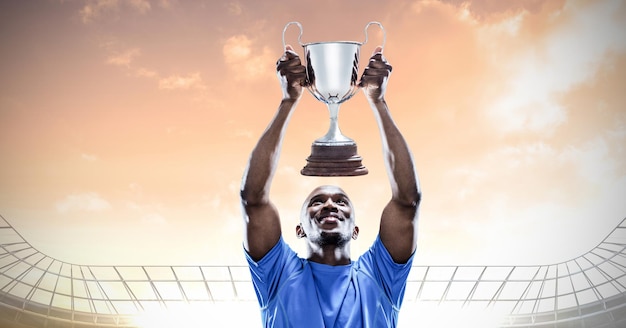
{"x":375,"y":77}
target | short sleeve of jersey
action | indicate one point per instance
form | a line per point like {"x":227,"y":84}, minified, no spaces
{"x":268,"y":273}
{"x":391,"y":276}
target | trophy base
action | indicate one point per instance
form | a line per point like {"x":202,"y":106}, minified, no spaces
{"x":333,"y":160}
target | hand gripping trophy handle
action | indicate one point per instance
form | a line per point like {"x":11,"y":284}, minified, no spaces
{"x":332,"y":71}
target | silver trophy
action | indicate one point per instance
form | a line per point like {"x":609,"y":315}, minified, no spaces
{"x":332,"y":70}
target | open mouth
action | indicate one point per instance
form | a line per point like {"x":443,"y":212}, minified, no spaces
{"x":330,"y":219}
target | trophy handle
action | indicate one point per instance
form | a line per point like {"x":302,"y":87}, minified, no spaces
{"x":299,"y":36}
{"x":381,"y":27}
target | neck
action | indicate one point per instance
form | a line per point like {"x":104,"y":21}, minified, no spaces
{"x":329,"y":254}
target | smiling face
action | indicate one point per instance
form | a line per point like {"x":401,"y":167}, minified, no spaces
{"x":327,"y":217}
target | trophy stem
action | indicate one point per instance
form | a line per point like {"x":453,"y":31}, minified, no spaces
{"x":334,"y":154}
{"x":334,"y":135}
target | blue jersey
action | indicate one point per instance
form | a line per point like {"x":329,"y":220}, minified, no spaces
{"x":294,"y":292}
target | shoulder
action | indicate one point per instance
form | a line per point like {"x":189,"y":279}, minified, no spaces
{"x":378,"y":256}
{"x":280,"y":258}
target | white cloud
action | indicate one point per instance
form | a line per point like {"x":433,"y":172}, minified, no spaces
{"x":90,"y":202}
{"x":141,"y":6}
{"x":570,"y":54}
{"x":144,"y":72}
{"x":191,"y":81}
{"x":419,"y":6}
{"x":125,"y":58}
{"x":165,"y":3}
{"x":523,"y":155}
{"x":468,"y":179}
{"x":237,"y":48}
{"x":533,"y":191}
{"x":96,"y":8}
{"x":235,"y":8}
{"x":146,"y":213}
{"x":247,"y":62}
{"x":593,"y":161}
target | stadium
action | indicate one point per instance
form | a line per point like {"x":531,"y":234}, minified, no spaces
{"x":39,"y":291}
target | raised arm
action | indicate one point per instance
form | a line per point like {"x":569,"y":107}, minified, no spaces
{"x":398,"y":224}
{"x":261,"y":219}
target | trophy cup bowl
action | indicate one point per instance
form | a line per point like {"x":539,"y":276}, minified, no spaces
{"x":332,"y":72}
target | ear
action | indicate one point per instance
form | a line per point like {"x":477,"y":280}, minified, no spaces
{"x":300,"y":232}
{"x":355,"y":233}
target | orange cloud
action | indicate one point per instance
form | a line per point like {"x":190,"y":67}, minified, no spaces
{"x":94,"y":9}
{"x":125,"y":58}
{"x":191,"y":81}
{"x":569,"y":54}
{"x":245,"y":60}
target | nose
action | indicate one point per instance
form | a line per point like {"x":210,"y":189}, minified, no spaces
{"x":329,"y":204}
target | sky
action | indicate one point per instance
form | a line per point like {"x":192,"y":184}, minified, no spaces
{"x":126,"y":125}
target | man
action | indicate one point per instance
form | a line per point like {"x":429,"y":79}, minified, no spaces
{"x":328,"y":289}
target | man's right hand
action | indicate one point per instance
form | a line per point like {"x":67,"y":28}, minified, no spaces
{"x":291,"y":73}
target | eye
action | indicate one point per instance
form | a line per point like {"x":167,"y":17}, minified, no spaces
{"x":341,"y":201}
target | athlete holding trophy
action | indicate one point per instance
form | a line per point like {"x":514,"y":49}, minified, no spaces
{"x":327,"y":288}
